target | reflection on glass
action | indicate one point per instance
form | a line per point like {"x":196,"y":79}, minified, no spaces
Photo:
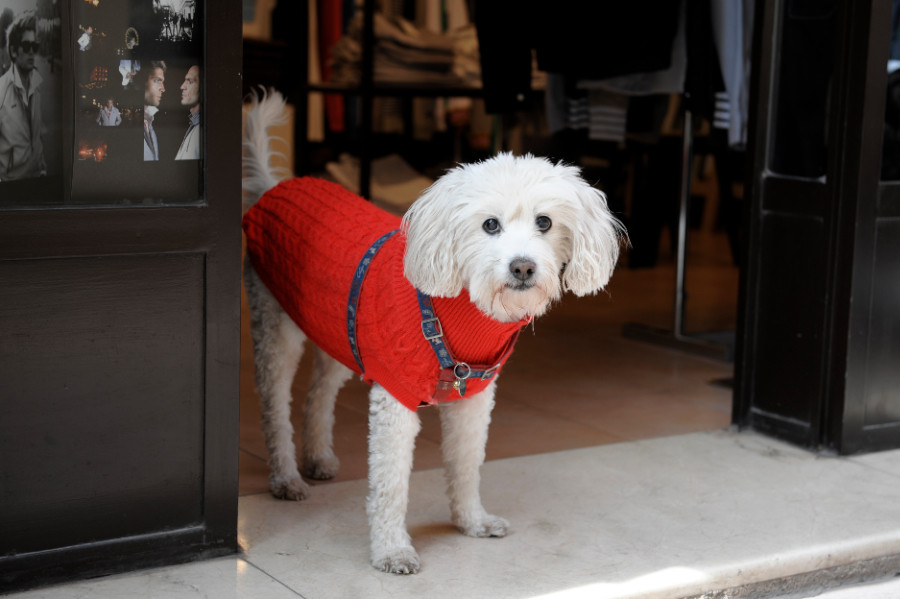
{"x":806,"y":55}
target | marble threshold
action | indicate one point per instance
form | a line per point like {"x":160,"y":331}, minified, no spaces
{"x":712,"y":515}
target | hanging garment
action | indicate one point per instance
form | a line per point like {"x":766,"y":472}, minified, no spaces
{"x":666,"y":81}
{"x":584,"y":40}
{"x":732,"y":24}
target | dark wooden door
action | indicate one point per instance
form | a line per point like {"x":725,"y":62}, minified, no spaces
{"x":119,"y":303}
{"x":818,"y":342}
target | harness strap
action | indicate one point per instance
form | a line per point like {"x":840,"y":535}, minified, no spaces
{"x":355,"y":288}
{"x":453,"y":373}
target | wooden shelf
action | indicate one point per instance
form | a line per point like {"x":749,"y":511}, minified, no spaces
{"x":394,"y":89}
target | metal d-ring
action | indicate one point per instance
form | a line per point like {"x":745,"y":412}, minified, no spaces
{"x":459,"y":376}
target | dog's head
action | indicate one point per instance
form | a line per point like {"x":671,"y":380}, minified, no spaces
{"x":515,"y":231}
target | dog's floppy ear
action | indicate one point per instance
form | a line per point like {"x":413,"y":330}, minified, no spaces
{"x":596,"y":235}
{"x":431,"y":228}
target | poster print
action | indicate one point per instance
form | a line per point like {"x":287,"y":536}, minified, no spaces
{"x":30,"y":107}
{"x":138,"y":136}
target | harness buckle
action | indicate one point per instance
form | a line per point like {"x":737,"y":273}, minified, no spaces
{"x":489,"y":372}
{"x":431,"y":329}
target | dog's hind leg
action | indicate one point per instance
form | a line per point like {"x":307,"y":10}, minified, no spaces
{"x":464,"y":428}
{"x":392,"y":438}
{"x":277,"y":349}
{"x":329,"y":375}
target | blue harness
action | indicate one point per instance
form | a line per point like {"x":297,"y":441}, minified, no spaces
{"x":454,"y":373}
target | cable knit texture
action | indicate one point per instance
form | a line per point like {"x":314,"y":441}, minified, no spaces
{"x":305,"y":239}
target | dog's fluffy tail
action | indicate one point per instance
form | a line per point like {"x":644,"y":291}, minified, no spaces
{"x":259,"y":175}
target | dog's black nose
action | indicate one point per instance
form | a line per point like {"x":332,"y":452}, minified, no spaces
{"x":522,"y":268}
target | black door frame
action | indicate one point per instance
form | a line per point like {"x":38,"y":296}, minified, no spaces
{"x":811,"y":351}
{"x":210,"y":234}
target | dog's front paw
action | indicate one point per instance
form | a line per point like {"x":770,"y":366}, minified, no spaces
{"x":321,"y":468}
{"x":486,"y":526}
{"x":293,"y":489}
{"x":403,"y":560}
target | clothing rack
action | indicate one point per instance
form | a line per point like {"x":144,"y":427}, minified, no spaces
{"x":292,"y":51}
{"x":718,"y":345}
{"x":367,"y":90}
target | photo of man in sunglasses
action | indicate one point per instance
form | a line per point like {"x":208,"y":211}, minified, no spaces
{"x":21,"y":124}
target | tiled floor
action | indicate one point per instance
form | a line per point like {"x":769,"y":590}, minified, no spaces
{"x":572,"y":382}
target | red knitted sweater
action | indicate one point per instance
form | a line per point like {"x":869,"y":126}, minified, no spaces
{"x":305,"y":239}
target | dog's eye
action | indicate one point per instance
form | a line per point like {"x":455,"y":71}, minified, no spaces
{"x":491,"y":226}
{"x":543,"y":223}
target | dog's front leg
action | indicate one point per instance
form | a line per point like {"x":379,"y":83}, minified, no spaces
{"x":464,"y":425}
{"x":392,"y":438}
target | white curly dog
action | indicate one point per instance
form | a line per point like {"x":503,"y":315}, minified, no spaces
{"x":506,"y":236}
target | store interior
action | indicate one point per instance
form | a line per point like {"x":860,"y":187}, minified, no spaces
{"x":579,"y":377}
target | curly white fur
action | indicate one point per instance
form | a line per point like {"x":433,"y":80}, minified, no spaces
{"x":259,"y":175}
{"x":448,"y":248}
{"x":516,"y":232}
